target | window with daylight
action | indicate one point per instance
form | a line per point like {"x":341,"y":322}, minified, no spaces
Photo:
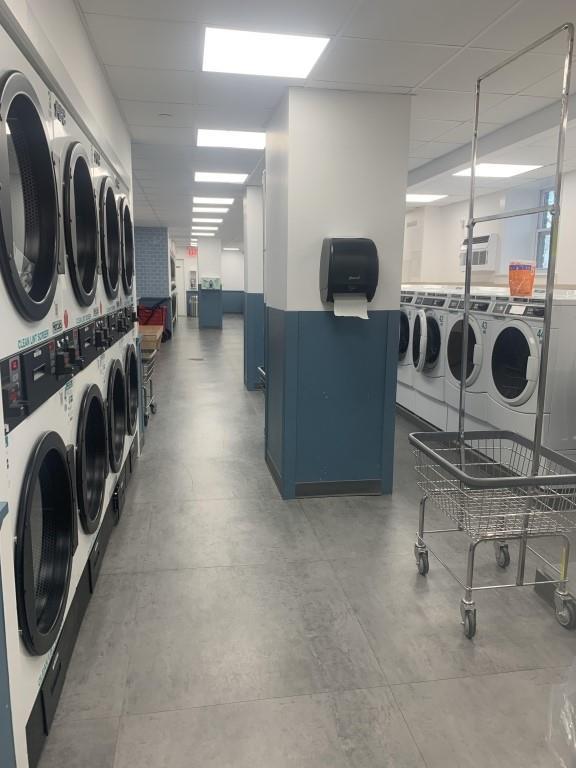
{"x":544,"y":230}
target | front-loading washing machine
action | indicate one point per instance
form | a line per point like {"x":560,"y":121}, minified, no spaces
{"x":476,"y":402}
{"x":29,"y":214}
{"x":515,"y":344}
{"x":405,"y":383}
{"x":427,"y":352}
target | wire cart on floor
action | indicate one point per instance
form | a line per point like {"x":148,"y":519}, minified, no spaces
{"x":148,"y":365}
{"x":494,"y":485}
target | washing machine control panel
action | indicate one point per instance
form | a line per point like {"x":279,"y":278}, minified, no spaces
{"x":32,"y":377}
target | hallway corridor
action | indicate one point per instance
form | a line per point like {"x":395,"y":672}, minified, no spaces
{"x":231,"y":629}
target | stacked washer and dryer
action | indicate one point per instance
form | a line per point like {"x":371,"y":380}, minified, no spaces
{"x":504,"y":341}
{"x":69,"y":373}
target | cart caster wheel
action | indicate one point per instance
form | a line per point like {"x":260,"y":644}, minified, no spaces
{"x":153,"y":408}
{"x":503,"y":556}
{"x":566,"y":614}
{"x":470,"y":624}
{"x":423,"y":564}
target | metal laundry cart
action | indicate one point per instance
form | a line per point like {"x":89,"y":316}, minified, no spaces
{"x":498,"y":486}
{"x":148,"y":365}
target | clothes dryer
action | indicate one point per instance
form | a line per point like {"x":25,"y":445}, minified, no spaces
{"x":405,"y":383}
{"x":428,"y":358}
{"x":515,"y":347}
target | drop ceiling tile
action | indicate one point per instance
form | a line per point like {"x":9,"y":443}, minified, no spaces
{"x":431,"y":149}
{"x":182,"y":120}
{"x":550,"y":87}
{"x":373,"y":62}
{"x":514,"y":108}
{"x":428,"y":130}
{"x":415,"y":162}
{"x":461,"y":73}
{"x":173,"y":10}
{"x":526,"y":23}
{"x":451,"y":22}
{"x":449,"y":105}
{"x":140,"y":43}
{"x":462,"y":134}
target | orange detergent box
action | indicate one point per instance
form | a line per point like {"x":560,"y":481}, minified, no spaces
{"x":521,"y":276}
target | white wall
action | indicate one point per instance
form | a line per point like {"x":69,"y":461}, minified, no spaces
{"x":336,"y":166}
{"x":253,"y":240}
{"x":209,"y":257}
{"x":276,"y":208}
{"x":56,"y":31}
{"x":434,"y":234}
{"x":232,"y":271}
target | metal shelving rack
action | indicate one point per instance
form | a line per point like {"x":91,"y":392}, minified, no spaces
{"x":497,"y":486}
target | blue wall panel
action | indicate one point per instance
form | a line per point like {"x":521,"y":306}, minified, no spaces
{"x":254,"y":321}
{"x":331,"y":402}
{"x":233,"y":302}
{"x":210,"y":309}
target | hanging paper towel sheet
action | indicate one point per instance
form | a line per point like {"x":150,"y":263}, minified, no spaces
{"x":351,"y":305}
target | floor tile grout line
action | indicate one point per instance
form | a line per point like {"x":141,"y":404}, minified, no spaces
{"x":407,"y":724}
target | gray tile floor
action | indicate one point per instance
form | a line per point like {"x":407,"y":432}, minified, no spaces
{"x":231,"y":629}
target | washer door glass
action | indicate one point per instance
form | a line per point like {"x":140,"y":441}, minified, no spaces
{"x":109,"y":238}
{"x":404,"y":336}
{"x":81,"y":225}
{"x":454,"y":351}
{"x":434,"y":343}
{"x":44,"y":544}
{"x":92,"y":459}
{"x":131,"y":368}
{"x":514,"y":364}
{"x":116,"y":416}
{"x":127,"y":249}
{"x":29,"y":212}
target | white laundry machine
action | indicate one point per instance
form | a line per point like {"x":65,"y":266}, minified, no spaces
{"x":61,"y":336}
{"x":405,"y":381}
{"x":65,"y":465}
{"x":476,"y":403}
{"x":428,"y":358}
{"x":516,"y":333}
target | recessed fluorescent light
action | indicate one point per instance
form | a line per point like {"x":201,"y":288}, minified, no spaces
{"x":209,"y":210}
{"x":231,"y":139}
{"x":206,"y":221}
{"x":205,"y":234}
{"x":417,"y":198}
{"x":199,"y":230}
{"x":213,"y":200}
{"x":498,"y":170}
{"x":230,"y":249}
{"x":221,"y":178}
{"x":261,"y":53}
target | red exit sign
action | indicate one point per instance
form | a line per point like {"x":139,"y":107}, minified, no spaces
{"x":192,"y":250}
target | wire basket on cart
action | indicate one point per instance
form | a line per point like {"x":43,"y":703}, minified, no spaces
{"x":487,"y":484}
{"x":487,"y":487}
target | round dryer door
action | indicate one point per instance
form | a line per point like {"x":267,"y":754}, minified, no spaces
{"x":475,"y":353}
{"x":116,"y":415}
{"x":80,"y":224}
{"x":426,"y":341}
{"x":404,"y":341}
{"x":131,"y":369}
{"x":28,"y":201}
{"x":91,"y":459}
{"x":515,"y":359}
{"x":127,"y":247}
{"x":109,"y":238}
{"x":44,"y":544}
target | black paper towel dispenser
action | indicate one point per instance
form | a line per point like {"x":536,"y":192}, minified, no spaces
{"x":348,"y":265}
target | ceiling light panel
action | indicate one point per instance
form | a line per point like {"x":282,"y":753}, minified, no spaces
{"x":207,"y":221}
{"x":260,"y":53}
{"x":205,"y":234}
{"x":231,"y":139}
{"x":422,"y":198}
{"x":498,"y":170}
{"x":201,"y":227}
{"x":209,"y":210}
{"x":220,"y":178}
{"x":213,"y":200}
